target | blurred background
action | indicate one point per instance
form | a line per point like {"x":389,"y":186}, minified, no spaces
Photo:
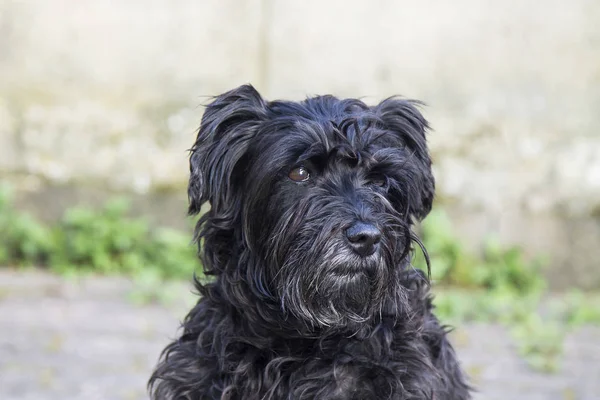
{"x":99,"y":102}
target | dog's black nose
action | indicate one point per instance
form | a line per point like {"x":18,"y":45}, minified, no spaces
{"x":363,"y":238}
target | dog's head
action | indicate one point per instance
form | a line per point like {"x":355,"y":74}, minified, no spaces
{"x":311,"y":202}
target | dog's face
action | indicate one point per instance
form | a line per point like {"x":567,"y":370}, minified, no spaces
{"x":311,"y":202}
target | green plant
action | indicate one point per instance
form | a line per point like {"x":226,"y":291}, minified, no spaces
{"x":538,"y":338}
{"x":23,"y":240}
{"x":539,"y":341}
{"x":108,"y":241}
{"x":496,"y":269}
{"x":509,"y":269}
{"x":575,"y":308}
{"x":173,"y":252}
{"x":103,"y":241}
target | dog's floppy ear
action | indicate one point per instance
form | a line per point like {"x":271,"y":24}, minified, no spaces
{"x":404,"y":119}
{"x":227,"y":126}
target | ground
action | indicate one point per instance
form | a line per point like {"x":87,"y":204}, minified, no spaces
{"x":87,"y":339}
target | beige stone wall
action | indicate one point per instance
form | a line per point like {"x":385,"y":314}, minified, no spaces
{"x":106,"y":95}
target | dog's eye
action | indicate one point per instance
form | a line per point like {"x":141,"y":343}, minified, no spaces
{"x":299,"y":174}
{"x":378,"y":181}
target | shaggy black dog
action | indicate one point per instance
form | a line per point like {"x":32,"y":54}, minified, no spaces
{"x":308,"y":243}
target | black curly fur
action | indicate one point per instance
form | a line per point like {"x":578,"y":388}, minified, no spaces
{"x":291,"y":312}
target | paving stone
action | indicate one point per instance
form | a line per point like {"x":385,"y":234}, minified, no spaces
{"x":86,"y":340}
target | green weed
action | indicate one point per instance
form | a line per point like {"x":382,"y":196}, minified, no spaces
{"x":104,"y":241}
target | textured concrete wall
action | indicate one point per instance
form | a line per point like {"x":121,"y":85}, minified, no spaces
{"x":106,"y":94}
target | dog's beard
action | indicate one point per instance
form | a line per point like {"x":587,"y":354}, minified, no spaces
{"x":326,"y":285}
{"x":313,"y":270}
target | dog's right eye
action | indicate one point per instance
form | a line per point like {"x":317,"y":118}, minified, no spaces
{"x":299,"y":174}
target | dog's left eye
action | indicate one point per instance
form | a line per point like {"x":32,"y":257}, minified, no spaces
{"x":378,"y":181}
{"x":299,"y":174}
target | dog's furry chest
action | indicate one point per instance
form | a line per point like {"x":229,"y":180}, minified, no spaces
{"x":225,"y":355}
{"x":338,"y":368}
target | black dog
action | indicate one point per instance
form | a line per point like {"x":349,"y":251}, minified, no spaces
{"x":308,"y":240}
